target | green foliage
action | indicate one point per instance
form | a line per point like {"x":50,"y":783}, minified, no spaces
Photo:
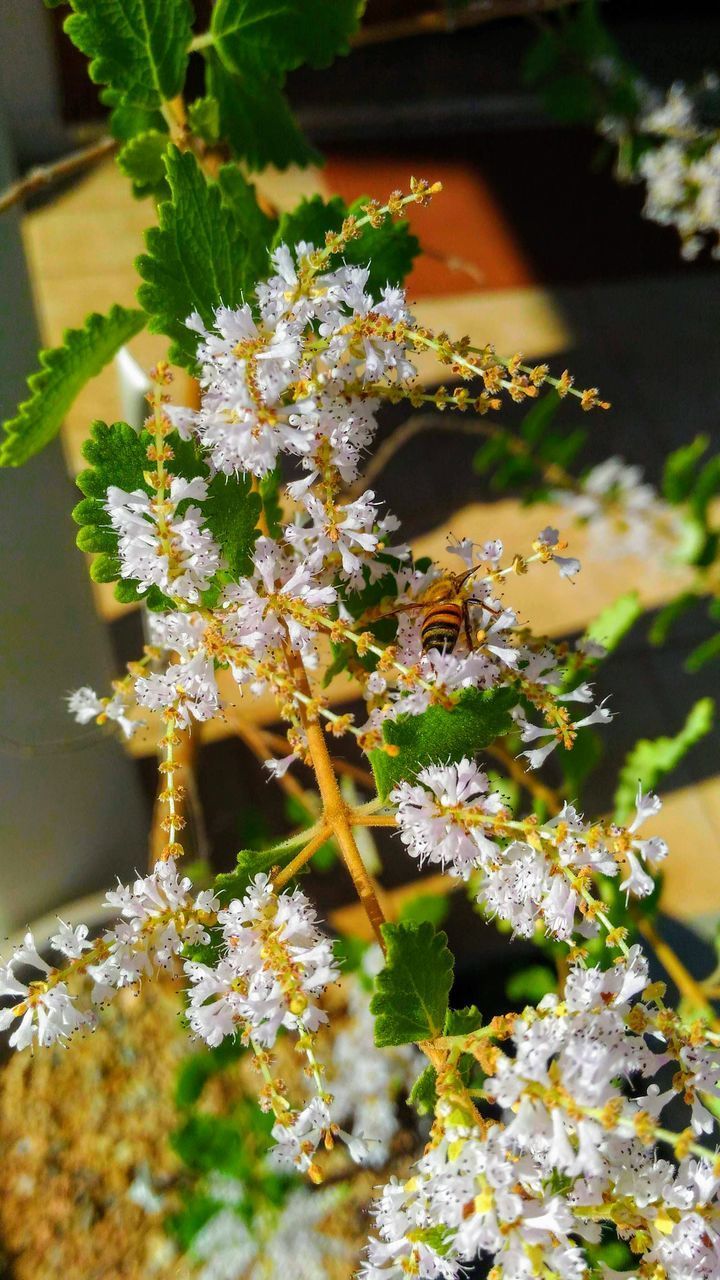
{"x":562,"y":62}
{"x":460,"y":1022}
{"x":231,"y":512}
{"x":227,"y":1144}
{"x":240,"y":196}
{"x":62,"y":374}
{"x":528,"y":986}
{"x":665,"y":619}
{"x":204,"y":119}
{"x":680,"y":470}
{"x":195,"y":1070}
{"x":250,"y":862}
{"x":137,"y":47}
{"x":614,"y":622}
{"x":256,"y":120}
{"x":199,"y":256}
{"x":475,"y":720}
{"x":517,"y":461}
{"x":266,"y":38}
{"x":432,"y":907}
{"x":423,"y":1095}
{"x":389,"y":249}
{"x":651,"y":760}
{"x":705,"y":652}
{"x":142,"y":160}
{"x":117,"y":456}
{"x":269,"y":490}
{"x":188,"y":1221}
{"x":411,"y":992}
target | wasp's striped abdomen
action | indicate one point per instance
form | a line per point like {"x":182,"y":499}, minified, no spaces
{"x":441,"y":626}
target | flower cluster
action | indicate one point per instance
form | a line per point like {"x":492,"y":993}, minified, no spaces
{"x":573,"y":1153}
{"x":527,"y":873}
{"x":624,"y":514}
{"x":679,"y":158}
{"x":158,"y":546}
{"x":158,"y":917}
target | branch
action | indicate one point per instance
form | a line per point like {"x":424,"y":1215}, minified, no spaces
{"x":46,"y":175}
{"x":444,"y":21}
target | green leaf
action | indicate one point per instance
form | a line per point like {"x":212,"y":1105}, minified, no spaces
{"x":651,"y":760}
{"x":61,"y":377}
{"x":117,"y":456}
{"x":138,"y":47}
{"x":529,"y":985}
{"x":256,"y":119}
{"x":231,"y":512}
{"x":126,"y":120}
{"x":423,"y":1095}
{"x":142,"y":159}
{"x":389,"y":250}
{"x":475,"y":720}
{"x":704,"y":653}
{"x":197,"y":257}
{"x":671,"y":613}
{"x":269,"y":490}
{"x":680,"y":469}
{"x":460,"y":1022}
{"x":250,"y":862}
{"x":204,"y":119}
{"x":432,"y":907}
{"x":240,"y":196}
{"x":411,"y":992}
{"x":610,"y":626}
{"x":195,"y":1070}
{"x":269,"y":37}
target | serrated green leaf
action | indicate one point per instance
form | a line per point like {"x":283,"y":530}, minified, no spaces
{"x":432,"y":907}
{"x":411,"y":991}
{"x":423,"y":1095}
{"x":250,"y":862}
{"x":460,"y":1022}
{"x":388,"y":250}
{"x":269,"y":490}
{"x":204,"y":119}
{"x":240,"y":196}
{"x":117,"y":456}
{"x":256,"y":119}
{"x":62,"y":374}
{"x":142,"y":160}
{"x":197,"y":257}
{"x":651,"y":760}
{"x":137,"y":47}
{"x":269,"y":37}
{"x":476,"y":719}
{"x":680,"y":469}
{"x":126,"y":119}
{"x":231,"y":512}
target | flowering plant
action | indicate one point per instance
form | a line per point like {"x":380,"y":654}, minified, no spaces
{"x":233,"y":522}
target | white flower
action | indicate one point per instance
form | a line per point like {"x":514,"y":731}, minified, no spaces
{"x":159,"y":547}
{"x":188,"y":687}
{"x":440,"y":818}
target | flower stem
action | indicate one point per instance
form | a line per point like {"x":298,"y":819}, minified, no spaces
{"x":302,"y":857}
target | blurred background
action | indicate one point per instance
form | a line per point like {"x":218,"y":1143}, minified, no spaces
{"x":533,"y":246}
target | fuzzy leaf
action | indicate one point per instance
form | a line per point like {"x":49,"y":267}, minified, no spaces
{"x":137,"y":47}
{"x":651,"y":760}
{"x":411,"y":992}
{"x":389,"y":250}
{"x":240,"y":196}
{"x":231,"y":512}
{"x":62,"y":374}
{"x":142,"y":159}
{"x":197,"y":257}
{"x":476,"y":719}
{"x":256,"y":119}
{"x":432,"y":907}
{"x":423,"y":1094}
{"x":204,"y":119}
{"x":266,"y":38}
{"x":250,"y":862}
{"x":117,"y":456}
{"x":460,"y":1022}
{"x":615,"y":621}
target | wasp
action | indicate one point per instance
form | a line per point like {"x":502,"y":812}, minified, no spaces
{"x":447,"y":613}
